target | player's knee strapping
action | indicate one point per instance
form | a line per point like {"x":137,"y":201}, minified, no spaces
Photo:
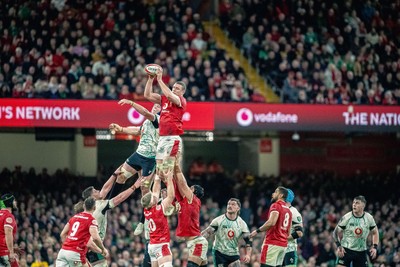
{"x":126,"y":173}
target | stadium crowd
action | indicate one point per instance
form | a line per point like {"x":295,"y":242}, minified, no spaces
{"x":311,"y":51}
{"x":98,"y":50}
{"x":45,"y":203}
{"x":325,"y":52}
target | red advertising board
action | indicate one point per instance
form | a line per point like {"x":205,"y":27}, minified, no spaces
{"x":307,"y":117}
{"x":204,"y":116}
{"x":89,"y":114}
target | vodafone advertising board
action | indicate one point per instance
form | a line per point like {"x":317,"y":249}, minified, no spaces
{"x":307,"y":117}
{"x":89,"y":114}
{"x":204,"y":116}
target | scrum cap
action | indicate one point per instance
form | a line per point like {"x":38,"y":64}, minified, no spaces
{"x":290,"y":196}
{"x":7,"y":201}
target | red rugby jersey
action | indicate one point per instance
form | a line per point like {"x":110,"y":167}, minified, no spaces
{"x":278,"y":234}
{"x":158,"y":225}
{"x":171,"y":117}
{"x":6,"y":219}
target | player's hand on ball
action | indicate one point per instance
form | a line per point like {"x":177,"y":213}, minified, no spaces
{"x":159,"y":73}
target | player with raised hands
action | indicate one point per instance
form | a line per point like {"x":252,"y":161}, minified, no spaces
{"x":143,"y":159}
{"x":156,"y":215}
{"x":173,"y":106}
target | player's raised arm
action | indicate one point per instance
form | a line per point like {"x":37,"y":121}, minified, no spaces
{"x":121,"y":197}
{"x":166,"y":90}
{"x":108,"y":185}
{"x":148,"y":91}
{"x":181,"y":182}
{"x":170,"y":189}
{"x":132,"y":130}
{"x":156,"y":189}
{"x":139,"y":108}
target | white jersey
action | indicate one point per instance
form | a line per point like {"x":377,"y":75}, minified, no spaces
{"x":356,"y":230}
{"x":149,"y":136}
{"x":297,"y":220}
{"x":227,"y":234}
{"x":146,"y":230}
{"x":100,"y":217}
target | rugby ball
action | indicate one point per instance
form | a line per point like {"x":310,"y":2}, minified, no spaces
{"x":152,"y":69}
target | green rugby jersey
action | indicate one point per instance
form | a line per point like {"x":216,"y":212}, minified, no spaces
{"x":356,"y":230}
{"x":297,"y":219}
{"x":149,"y":136}
{"x":100,"y":217}
{"x":228,"y":233}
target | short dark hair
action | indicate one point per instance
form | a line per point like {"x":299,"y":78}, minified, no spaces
{"x":361,"y":198}
{"x":87,"y":192}
{"x":198,"y":191}
{"x":236,"y":200}
{"x":283,"y":190}
{"x":89,"y":203}
{"x":181,"y":83}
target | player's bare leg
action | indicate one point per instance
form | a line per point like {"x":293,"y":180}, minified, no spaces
{"x":124,"y":172}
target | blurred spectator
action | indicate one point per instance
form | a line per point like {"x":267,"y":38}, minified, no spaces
{"x":320,"y":37}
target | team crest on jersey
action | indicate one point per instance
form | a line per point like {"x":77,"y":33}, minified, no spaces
{"x":9,"y":220}
{"x":358,"y":231}
{"x":231,"y":234}
{"x":158,"y":207}
{"x":76,"y":263}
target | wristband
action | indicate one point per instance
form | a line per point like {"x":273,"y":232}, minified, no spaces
{"x":258,"y":230}
{"x":338,"y":244}
{"x":295,"y":235}
{"x":375,"y":246}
